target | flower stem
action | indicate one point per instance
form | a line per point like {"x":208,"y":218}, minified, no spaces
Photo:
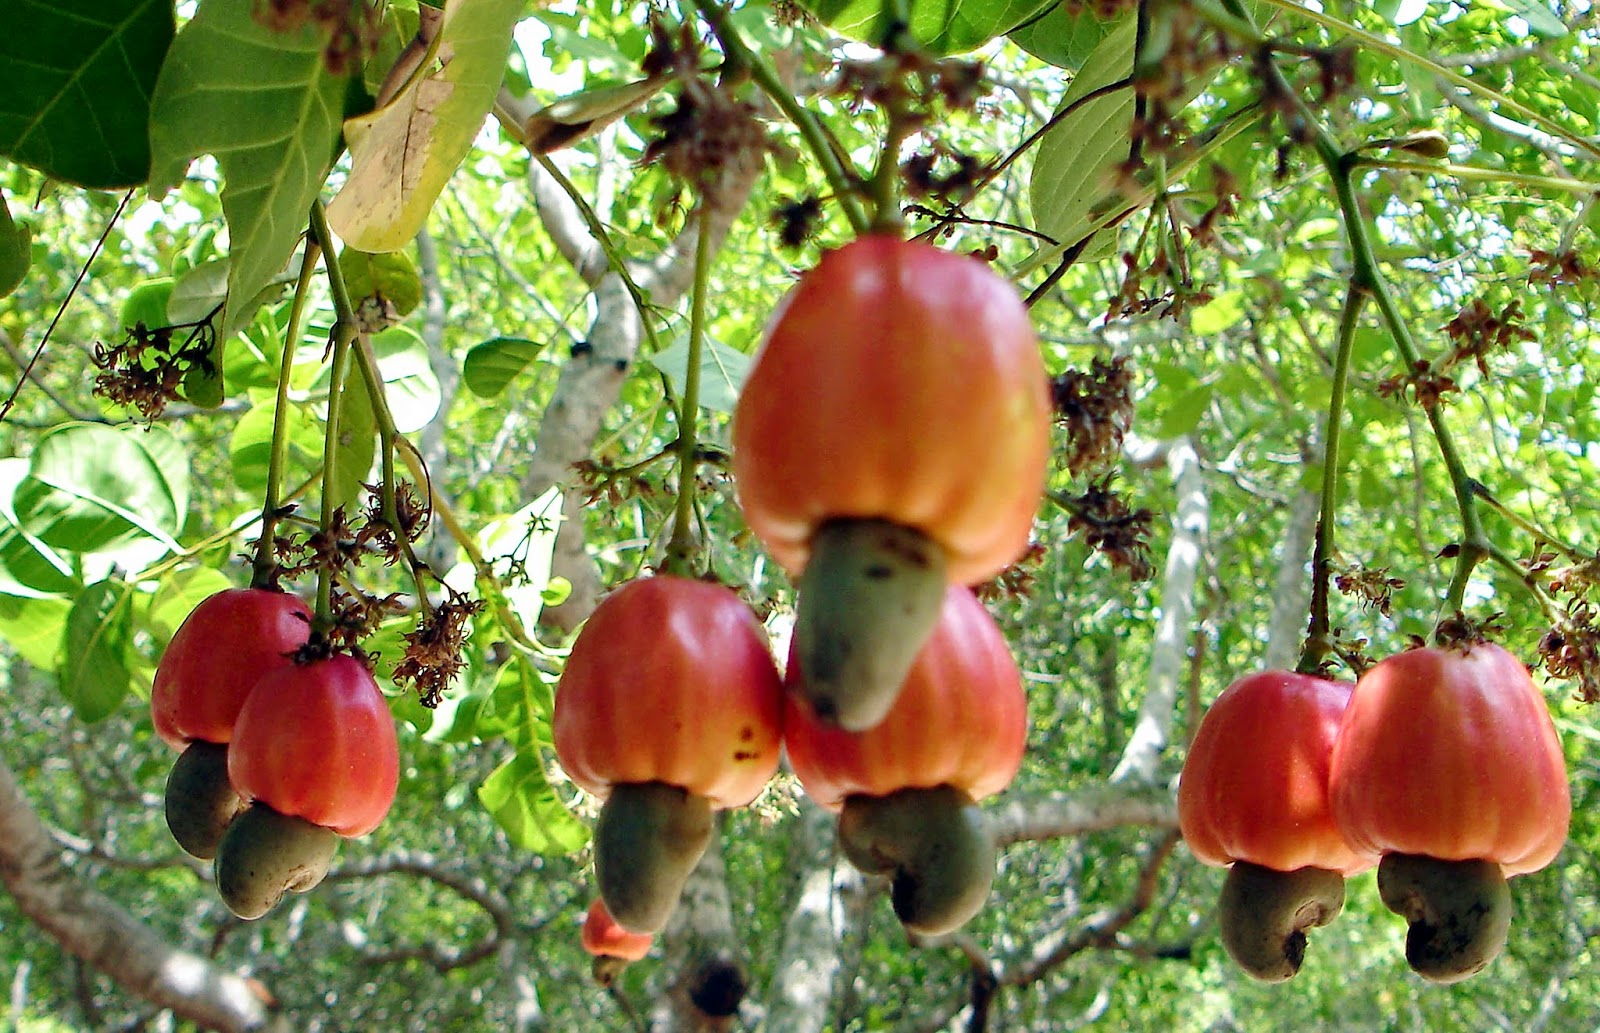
{"x":1367,"y":276}
{"x":372,"y":381}
{"x":1319,"y":638}
{"x":683,"y":548}
{"x":264,"y":571}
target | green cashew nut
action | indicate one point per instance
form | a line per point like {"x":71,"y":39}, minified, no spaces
{"x":935,"y":843}
{"x":1459,"y":911}
{"x":265,"y":854}
{"x":200,"y":801}
{"x":1264,"y":915}
{"x":649,"y":838}
{"x":869,"y":598}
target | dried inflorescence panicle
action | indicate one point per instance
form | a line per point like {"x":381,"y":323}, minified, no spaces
{"x":1112,"y":528}
{"x":433,"y":650}
{"x":1373,"y":587}
{"x":1095,"y":407}
{"x":1478,"y":330}
{"x":146,"y":370}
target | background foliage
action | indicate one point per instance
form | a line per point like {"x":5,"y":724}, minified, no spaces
{"x":1215,"y":265}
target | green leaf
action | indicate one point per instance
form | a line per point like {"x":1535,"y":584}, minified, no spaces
{"x":147,"y":304}
{"x":33,"y":628}
{"x":389,"y":280}
{"x":408,"y":379}
{"x":94,"y":663}
{"x":1071,"y":181}
{"x":1063,"y":36}
{"x":16,"y":250}
{"x":250,"y":448}
{"x":722,"y":371}
{"x":28,"y":567}
{"x":491,"y":366}
{"x":1536,"y":13}
{"x":92,"y":488}
{"x":940,"y":26}
{"x":78,"y":76}
{"x":402,"y":154}
{"x":264,"y":104}
{"x":519,"y":797}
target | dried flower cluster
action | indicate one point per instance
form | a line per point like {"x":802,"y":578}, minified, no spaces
{"x":433,"y":649}
{"x":1560,"y":268}
{"x":1477,"y":330}
{"x":1016,"y":581}
{"x":1096,"y":409}
{"x":1426,"y":386}
{"x":146,"y":370}
{"x":1374,"y":588}
{"x":1112,"y":528}
{"x":709,"y":132}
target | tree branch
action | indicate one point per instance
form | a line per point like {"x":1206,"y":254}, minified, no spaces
{"x":93,"y":928}
{"x":1142,"y":755}
{"x":1062,"y":815}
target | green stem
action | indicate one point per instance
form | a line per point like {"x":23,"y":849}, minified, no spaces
{"x":682,"y":548}
{"x":1319,"y":636}
{"x":1533,"y":530}
{"x":597,"y":229}
{"x":1472,"y":173}
{"x":843,"y":183}
{"x":343,"y":333}
{"x":1367,"y":276}
{"x":372,"y":379}
{"x":264,"y":571}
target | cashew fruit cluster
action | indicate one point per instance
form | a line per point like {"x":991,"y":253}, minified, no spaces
{"x":280,"y":758}
{"x":1441,"y":765}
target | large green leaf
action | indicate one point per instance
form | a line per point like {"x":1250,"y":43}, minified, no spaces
{"x":179,"y":594}
{"x":94,"y":663}
{"x":16,"y":245}
{"x":519,"y":797}
{"x":33,"y":627}
{"x":491,"y":366}
{"x":1071,"y":179}
{"x":265,"y":105}
{"x":250,"y":448}
{"x":403,"y":153}
{"x":940,"y":26}
{"x":28,"y":567}
{"x":92,"y":488}
{"x":78,"y":76}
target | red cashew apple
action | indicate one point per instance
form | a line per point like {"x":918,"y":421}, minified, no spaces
{"x":1448,"y":763}
{"x":316,"y":754}
{"x":892,"y":437}
{"x":906,"y":789}
{"x":612,"y":946}
{"x":226,"y":644}
{"x":670,"y":706}
{"x":1254,"y":796}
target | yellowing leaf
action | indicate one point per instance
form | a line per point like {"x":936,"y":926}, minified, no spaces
{"x":403,"y":153}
